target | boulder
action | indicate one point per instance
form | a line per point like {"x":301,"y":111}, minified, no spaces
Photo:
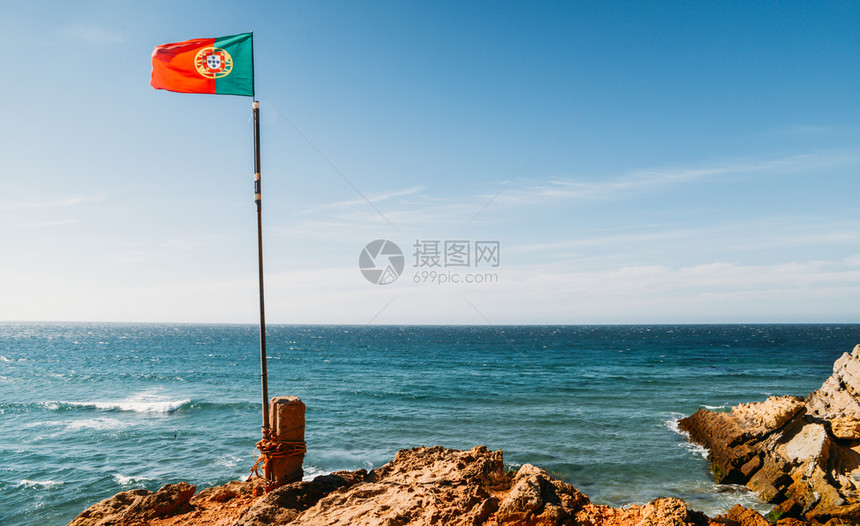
{"x":746,"y":517}
{"x":810,"y":444}
{"x":659,"y":512}
{"x":136,"y":506}
{"x":846,"y":514}
{"x":759,"y":419}
{"x":839,"y":396}
{"x":284,"y":503}
{"x":788,"y":509}
{"x":845,"y":427}
{"x":536,"y":499}
{"x":770,"y":481}
{"x":420,"y":486}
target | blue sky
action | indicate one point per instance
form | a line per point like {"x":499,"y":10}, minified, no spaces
{"x":658,"y":162}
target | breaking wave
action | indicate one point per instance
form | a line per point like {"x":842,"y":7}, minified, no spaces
{"x":672,"y":424}
{"x":139,"y":403}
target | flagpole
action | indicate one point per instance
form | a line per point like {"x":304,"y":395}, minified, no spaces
{"x":258,"y":200}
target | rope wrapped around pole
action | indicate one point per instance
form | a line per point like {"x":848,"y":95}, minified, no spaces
{"x":271,"y":449}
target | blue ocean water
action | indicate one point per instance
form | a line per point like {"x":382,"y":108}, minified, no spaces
{"x":88,"y":410}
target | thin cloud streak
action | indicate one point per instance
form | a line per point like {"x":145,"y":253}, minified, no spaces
{"x":375,"y":199}
{"x":45,"y":224}
{"x":554,"y":293}
{"x":643,"y":180}
{"x":92,"y":34}
{"x":772,"y":234}
{"x":59,"y":202}
{"x":423,"y":211}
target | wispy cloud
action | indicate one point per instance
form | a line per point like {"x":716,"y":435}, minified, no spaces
{"x":92,"y":34}
{"x":56,"y":202}
{"x":418,"y":208}
{"x":716,"y":291}
{"x":807,"y":130}
{"x":625,"y":239}
{"x":44,"y":224}
{"x":375,"y":199}
{"x":645,"y":180}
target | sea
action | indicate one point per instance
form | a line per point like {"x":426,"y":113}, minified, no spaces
{"x":91,"y":409}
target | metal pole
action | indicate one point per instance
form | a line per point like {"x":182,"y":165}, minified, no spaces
{"x":258,"y":199}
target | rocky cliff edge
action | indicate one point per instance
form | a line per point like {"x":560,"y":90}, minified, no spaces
{"x":421,"y":486}
{"x":801,"y":454}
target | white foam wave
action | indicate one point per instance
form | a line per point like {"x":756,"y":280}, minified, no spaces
{"x":142,"y":406}
{"x":229,"y":461}
{"x":42,"y":424}
{"x":672,"y":424}
{"x":696,"y":448}
{"x":715,"y":407}
{"x":124,"y":480}
{"x":312,"y":472}
{"x":98,"y":424}
{"x":716,"y":499}
{"x":139,"y":403}
{"x":4,"y":359}
{"x":39,"y":483}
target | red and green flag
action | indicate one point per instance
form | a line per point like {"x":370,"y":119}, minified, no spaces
{"x":221,"y":66}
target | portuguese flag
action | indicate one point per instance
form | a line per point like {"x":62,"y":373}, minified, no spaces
{"x":221,"y":66}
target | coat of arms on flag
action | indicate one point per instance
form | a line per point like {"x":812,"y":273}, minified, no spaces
{"x":213,"y":62}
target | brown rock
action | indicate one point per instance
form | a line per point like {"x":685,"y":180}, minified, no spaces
{"x":218,"y":506}
{"x":229,"y":491}
{"x":849,"y":513}
{"x":846,"y":427}
{"x":134,"y":506}
{"x":666,"y":512}
{"x":537,"y":499}
{"x":751,"y":467}
{"x":734,"y":439}
{"x":761,"y":418}
{"x":788,"y":509}
{"x":725,"y":439}
{"x":284,"y":503}
{"x":768,"y":481}
{"x":659,"y":512}
{"x":840,"y":393}
{"x":810,"y":444}
{"x":420,"y":487}
{"x":525,"y":498}
{"x":746,"y":517}
{"x":787,"y":448}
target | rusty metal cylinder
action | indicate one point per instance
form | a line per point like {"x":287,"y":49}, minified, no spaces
{"x":288,"y":435}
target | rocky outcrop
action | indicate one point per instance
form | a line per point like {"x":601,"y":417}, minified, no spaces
{"x":805,"y":452}
{"x":137,"y":506}
{"x":840,"y":394}
{"x":284,"y":504}
{"x":421,"y":486}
